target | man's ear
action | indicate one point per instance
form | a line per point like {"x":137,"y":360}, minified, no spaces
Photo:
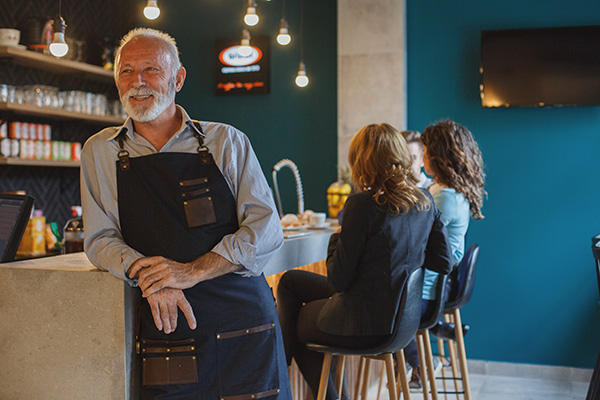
{"x":180,"y":79}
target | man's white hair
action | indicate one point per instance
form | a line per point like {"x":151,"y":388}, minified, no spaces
{"x":151,"y":34}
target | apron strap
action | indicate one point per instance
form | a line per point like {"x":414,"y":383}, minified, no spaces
{"x":123,"y":154}
{"x":202,"y":149}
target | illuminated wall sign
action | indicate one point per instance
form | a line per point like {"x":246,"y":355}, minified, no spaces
{"x":237,"y":72}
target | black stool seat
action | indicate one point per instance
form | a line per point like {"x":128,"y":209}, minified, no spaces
{"x":405,"y":327}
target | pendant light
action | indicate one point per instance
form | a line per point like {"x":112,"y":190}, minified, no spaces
{"x":251,"y":18}
{"x":151,"y":11}
{"x":302,"y":79}
{"x":245,"y":49}
{"x":284,"y":37}
{"x":58,"y":47}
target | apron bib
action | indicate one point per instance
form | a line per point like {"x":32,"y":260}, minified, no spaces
{"x":179,"y":206}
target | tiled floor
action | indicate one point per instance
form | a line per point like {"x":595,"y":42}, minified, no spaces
{"x":490,"y":387}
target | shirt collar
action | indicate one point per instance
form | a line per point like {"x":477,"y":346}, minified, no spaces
{"x":186,"y":123}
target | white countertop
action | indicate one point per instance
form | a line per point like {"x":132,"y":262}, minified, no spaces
{"x":294,"y":253}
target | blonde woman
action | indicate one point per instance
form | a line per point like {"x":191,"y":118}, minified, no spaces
{"x":390,"y":227}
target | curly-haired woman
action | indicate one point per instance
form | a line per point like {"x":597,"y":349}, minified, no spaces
{"x":451,"y":155}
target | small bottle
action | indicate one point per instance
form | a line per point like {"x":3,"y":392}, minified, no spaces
{"x":73,"y":232}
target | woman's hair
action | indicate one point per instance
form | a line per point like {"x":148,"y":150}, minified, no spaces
{"x":381,"y":162}
{"x":455,"y":160}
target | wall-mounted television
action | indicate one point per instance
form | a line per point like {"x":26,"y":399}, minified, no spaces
{"x":540,"y":67}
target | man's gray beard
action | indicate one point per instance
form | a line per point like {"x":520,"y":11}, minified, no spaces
{"x":142,"y":113}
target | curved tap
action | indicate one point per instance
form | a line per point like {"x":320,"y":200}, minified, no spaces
{"x":290,"y":164}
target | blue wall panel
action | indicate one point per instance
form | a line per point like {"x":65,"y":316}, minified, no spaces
{"x":536,"y":297}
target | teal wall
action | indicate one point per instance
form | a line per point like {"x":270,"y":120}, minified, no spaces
{"x":535,"y":298}
{"x":289,"y":122}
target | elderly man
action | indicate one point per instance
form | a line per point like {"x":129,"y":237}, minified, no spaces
{"x":182,"y":209}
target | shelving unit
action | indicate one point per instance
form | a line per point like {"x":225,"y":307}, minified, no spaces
{"x":58,"y":113}
{"x":38,"y":163}
{"x":21,"y":56}
{"x":34,"y":59}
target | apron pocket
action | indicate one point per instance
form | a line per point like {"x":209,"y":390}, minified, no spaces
{"x":199,"y":212}
{"x":247,"y":363}
{"x":169,"y":362}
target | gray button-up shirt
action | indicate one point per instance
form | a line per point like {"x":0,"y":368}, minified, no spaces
{"x":252,"y":246}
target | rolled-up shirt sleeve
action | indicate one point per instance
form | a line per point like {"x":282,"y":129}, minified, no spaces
{"x":259,"y":235}
{"x":103,"y":242}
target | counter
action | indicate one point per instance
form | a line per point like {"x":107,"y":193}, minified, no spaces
{"x":67,"y":326}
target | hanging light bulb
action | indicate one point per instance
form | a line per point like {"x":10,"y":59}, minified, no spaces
{"x":58,"y":47}
{"x":151,"y":11}
{"x":245,"y":49}
{"x":302,"y":78}
{"x":251,"y":18}
{"x":284,"y":37}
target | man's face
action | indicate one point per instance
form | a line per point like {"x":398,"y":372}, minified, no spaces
{"x":417,"y":158}
{"x":145,"y":79}
{"x":426,"y":162}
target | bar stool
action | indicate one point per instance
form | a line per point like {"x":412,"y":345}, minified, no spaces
{"x":594,"y":388}
{"x":457,"y":300}
{"x":424,"y":344}
{"x":405,"y":327}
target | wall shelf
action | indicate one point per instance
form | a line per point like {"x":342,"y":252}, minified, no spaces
{"x":58,"y":65}
{"x":58,"y":113}
{"x":38,"y":163}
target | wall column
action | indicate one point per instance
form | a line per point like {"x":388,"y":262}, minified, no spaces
{"x":371,"y":67}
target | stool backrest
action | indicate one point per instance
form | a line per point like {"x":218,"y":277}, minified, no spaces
{"x":466,"y":278}
{"x":596,"y":252}
{"x":408,"y":316}
{"x":440,"y":292}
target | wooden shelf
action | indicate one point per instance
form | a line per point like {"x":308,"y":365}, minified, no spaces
{"x":42,"y":61}
{"x":38,"y":163}
{"x":58,"y":113}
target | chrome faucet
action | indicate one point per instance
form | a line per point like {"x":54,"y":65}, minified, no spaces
{"x":290,"y":164}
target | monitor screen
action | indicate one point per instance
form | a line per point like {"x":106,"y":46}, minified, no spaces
{"x":540,"y":67}
{"x":15,"y":211}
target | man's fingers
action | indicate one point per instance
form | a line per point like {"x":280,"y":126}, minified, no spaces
{"x":166,"y":320}
{"x":154,"y":307}
{"x":187,"y":311}
{"x":173,"y":316}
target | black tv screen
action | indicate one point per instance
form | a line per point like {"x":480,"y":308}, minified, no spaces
{"x":540,"y":67}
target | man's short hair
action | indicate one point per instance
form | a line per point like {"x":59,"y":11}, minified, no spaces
{"x":412,"y":136}
{"x":150,"y":33}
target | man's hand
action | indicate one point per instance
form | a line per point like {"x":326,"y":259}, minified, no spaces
{"x":163,"y":305}
{"x":156,"y":273}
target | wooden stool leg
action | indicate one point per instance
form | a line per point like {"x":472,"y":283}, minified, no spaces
{"x":453,"y":360}
{"x":359,"y":378}
{"x":339,"y":378}
{"x":460,"y":342}
{"x":365,"y":382}
{"x":380,"y":383}
{"x":389,"y":366}
{"x":442,"y":354}
{"x":422,"y":365}
{"x":430,"y":366}
{"x":402,"y":375}
{"x":324,"y":376}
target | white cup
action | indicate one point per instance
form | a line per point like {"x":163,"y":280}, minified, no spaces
{"x":9,"y":37}
{"x":317,"y":219}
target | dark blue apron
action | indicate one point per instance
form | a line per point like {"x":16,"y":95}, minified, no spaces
{"x":178,"y":205}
